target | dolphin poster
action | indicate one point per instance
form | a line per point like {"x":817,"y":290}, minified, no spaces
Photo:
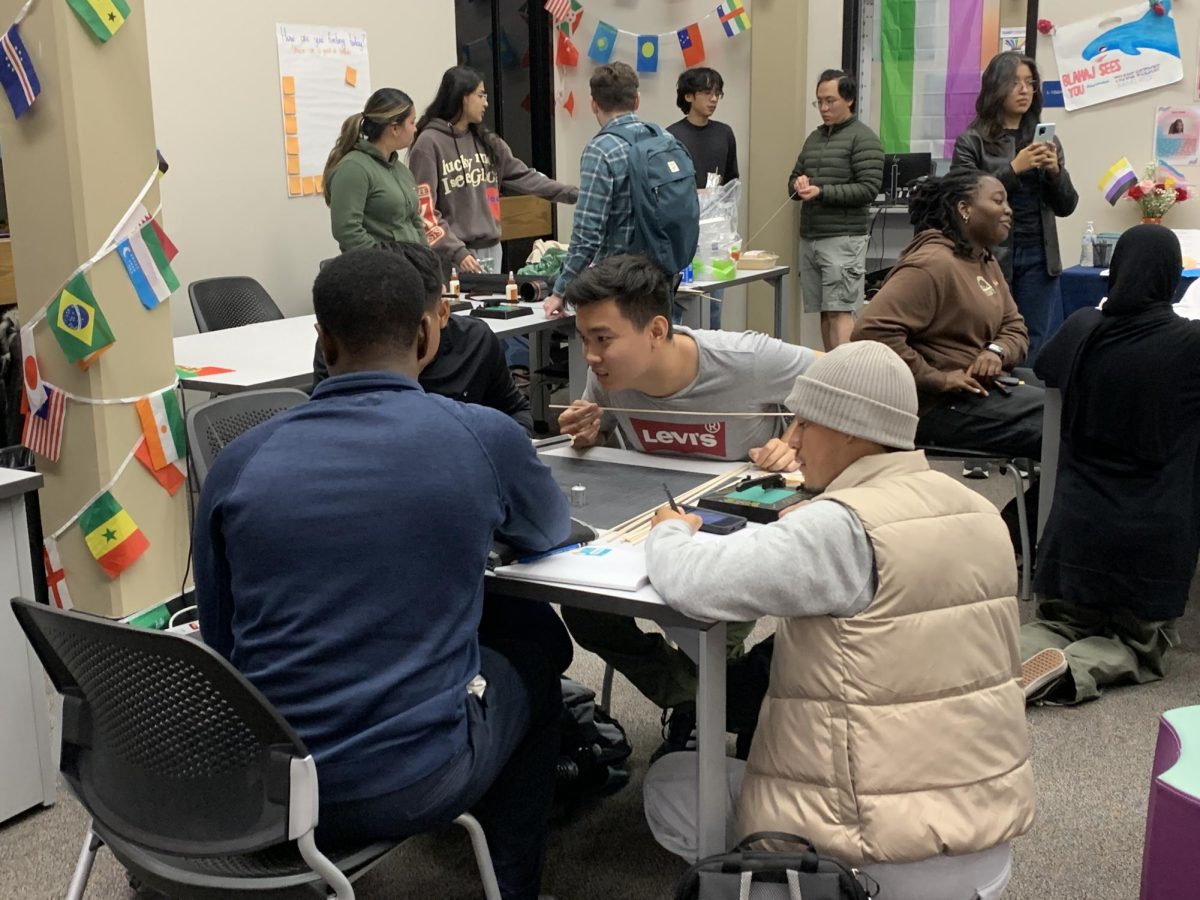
{"x":1118,"y":52}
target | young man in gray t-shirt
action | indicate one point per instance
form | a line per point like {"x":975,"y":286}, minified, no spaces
{"x":638,"y":360}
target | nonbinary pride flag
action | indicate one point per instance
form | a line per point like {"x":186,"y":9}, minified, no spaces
{"x":104,"y":17}
{"x":148,"y":264}
{"x":736,"y":20}
{"x":20,"y":81}
{"x":931,"y":58}
{"x":603,"y":42}
{"x":162,"y":424}
{"x":1117,"y":180}
{"x":77,"y":323}
{"x":692,"y":45}
{"x":647,"y":53}
{"x":111,"y":535}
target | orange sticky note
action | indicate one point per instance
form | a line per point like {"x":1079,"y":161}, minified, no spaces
{"x":289,"y":125}
{"x":320,"y":185}
{"x":293,"y":146}
{"x":310,"y":186}
{"x":294,"y":186}
{"x":289,"y":85}
{"x":289,"y":104}
{"x":351,"y":76}
{"x":293,"y":165}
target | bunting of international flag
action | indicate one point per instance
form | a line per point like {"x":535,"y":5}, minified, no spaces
{"x":103,"y":17}
{"x":31,"y":372}
{"x":147,"y":255}
{"x":112,"y":536}
{"x":78,"y":324}
{"x":56,"y":578}
{"x":734,"y":18}
{"x":559,"y":10}
{"x":44,"y":427}
{"x":692,"y":45}
{"x":647,"y":54}
{"x":172,"y":476}
{"x":20,"y":81}
{"x":603,"y":42}
{"x":570,"y":24}
{"x":162,"y":425}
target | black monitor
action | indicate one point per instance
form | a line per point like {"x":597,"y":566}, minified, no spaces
{"x":900,"y":170}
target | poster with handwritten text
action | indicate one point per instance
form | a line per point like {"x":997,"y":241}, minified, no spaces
{"x":324,"y":76}
{"x":1117,"y":52}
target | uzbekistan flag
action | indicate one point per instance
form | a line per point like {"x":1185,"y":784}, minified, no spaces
{"x":162,"y":424}
{"x":104,"y":17}
{"x":43,"y":429}
{"x":147,"y":256}
{"x":111,"y":534}
{"x":21,"y":83}
{"x":692,"y":45}
{"x":172,"y":477}
{"x":736,"y":20}
{"x":932,"y":53}
{"x":75,"y":320}
{"x":1117,"y":180}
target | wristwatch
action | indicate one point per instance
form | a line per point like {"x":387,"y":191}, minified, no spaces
{"x":996,"y":348}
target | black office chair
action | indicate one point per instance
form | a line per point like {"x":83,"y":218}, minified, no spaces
{"x":193,"y":780}
{"x":230,"y":301}
{"x":212,"y":425}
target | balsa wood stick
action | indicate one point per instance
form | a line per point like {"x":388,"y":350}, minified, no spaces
{"x":684,"y":412}
{"x":643,"y":519}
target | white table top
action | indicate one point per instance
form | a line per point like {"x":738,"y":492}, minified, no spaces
{"x":14,"y":482}
{"x":280,"y":353}
{"x":744,"y":276}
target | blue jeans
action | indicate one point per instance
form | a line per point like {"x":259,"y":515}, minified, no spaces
{"x":1037,"y":295}
{"x":504,"y":774}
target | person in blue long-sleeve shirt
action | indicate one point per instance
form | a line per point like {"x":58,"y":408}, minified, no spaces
{"x":340,"y":551}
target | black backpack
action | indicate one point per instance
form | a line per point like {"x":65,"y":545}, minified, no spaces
{"x":745,"y":874}
{"x":662,"y":182}
{"x":593,"y":752}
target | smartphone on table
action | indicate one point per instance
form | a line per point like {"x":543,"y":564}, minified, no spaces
{"x":716,"y":522}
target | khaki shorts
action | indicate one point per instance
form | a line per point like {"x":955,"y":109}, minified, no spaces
{"x":831,"y":273}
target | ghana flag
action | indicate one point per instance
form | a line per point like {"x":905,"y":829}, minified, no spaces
{"x":104,"y":17}
{"x":111,"y":534}
{"x":78,"y":324}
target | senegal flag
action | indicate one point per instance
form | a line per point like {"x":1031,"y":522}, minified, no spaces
{"x":104,"y":17}
{"x":78,"y":324}
{"x":111,"y":535}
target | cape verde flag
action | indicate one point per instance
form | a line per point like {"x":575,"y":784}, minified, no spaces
{"x":20,"y":81}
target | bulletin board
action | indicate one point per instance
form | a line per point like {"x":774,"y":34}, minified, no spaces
{"x":324,"y":77}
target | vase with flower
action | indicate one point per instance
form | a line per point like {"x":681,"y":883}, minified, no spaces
{"x":1155,"y":197}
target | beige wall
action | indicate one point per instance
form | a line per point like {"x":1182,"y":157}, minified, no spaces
{"x":1096,"y":137}
{"x":729,"y":56}
{"x":218,"y":123}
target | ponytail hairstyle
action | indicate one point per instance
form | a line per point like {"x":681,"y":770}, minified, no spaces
{"x":933,"y":203}
{"x":457,"y":83}
{"x":387,"y":106}
{"x":996,"y":84}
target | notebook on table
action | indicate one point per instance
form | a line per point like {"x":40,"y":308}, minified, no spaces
{"x":621,"y":568}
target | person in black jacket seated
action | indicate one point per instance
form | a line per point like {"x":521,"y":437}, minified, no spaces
{"x":470,"y":364}
{"x":1121,"y":542}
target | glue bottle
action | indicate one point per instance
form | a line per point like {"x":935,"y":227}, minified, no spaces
{"x":454,"y":288}
{"x":510,"y":289}
{"x":1087,"y":248}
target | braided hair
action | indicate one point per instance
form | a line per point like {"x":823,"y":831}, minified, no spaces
{"x":933,"y":203}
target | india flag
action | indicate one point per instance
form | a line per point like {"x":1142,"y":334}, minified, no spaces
{"x":111,"y":535}
{"x":162,"y":424}
{"x":932,"y":53}
{"x":147,"y":256}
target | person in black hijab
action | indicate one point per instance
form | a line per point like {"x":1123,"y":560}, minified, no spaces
{"x":1121,"y":541}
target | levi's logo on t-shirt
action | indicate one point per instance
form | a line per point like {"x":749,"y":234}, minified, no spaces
{"x":705,"y":438}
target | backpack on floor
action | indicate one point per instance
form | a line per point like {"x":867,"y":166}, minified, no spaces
{"x":594,"y":750}
{"x":666,"y":207}
{"x":799,"y":874}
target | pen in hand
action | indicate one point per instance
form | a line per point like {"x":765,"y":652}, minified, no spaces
{"x":671,"y":499}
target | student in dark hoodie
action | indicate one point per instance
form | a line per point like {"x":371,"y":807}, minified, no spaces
{"x":461,"y":167}
{"x":371,"y":194}
{"x":947,"y":310}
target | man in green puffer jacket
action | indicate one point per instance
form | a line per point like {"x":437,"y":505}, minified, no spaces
{"x":838,"y":174}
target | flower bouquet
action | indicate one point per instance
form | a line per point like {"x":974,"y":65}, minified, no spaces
{"x":1156,"y":197}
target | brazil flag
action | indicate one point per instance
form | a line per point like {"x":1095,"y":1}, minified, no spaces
{"x":78,"y":324}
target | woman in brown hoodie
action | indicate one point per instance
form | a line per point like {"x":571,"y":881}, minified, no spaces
{"x":946,"y":309}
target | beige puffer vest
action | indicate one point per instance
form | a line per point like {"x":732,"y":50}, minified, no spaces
{"x":899,"y":734}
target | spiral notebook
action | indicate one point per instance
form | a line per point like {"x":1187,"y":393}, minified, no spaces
{"x":593,"y":565}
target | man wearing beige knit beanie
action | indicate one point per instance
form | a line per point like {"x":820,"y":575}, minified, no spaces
{"x":892,"y":732}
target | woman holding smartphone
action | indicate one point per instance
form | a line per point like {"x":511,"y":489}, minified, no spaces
{"x":1003,"y":142}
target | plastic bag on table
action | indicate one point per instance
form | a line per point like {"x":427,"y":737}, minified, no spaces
{"x":719,"y":237}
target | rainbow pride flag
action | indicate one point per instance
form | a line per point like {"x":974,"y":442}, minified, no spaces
{"x":931,"y":56}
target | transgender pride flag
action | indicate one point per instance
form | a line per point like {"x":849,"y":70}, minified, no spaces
{"x":931,"y":54}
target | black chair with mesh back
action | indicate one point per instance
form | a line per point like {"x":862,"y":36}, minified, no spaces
{"x":230,"y":301}
{"x":212,"y":425}
{"x":192,"y":779}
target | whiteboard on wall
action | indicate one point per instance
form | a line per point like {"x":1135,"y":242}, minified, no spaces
{"x":324,"y":77}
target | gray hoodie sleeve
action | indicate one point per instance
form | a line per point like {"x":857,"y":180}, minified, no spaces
{"x":518,"y":178}
{"x":423,"y":163}
{"x":817,"y":561}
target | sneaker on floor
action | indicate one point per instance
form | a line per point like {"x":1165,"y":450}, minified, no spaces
{"x":520,"y":376}
{"x":679,"y":731}
{"x":1042,"y":669}
{"x":980,"y":470}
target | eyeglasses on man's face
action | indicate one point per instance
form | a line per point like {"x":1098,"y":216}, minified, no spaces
{"x":826,"y":102}
{"x":716,"y":95}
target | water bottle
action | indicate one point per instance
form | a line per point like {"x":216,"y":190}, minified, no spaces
{"x":1087,"y":247}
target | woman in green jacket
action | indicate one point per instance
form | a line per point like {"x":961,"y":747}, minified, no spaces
{"x":371,"y":194}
